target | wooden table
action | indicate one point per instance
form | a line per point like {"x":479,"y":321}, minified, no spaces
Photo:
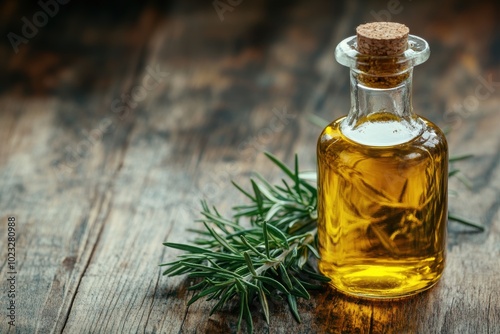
{"x":117,"y":119}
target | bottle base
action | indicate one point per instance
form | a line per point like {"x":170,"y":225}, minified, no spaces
{"x":382,"y":282}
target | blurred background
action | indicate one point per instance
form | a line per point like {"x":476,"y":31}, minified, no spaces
{"x":223,"y":67}
{"x":236,"y":55}
{"x":231,"y":60}
{"x":117,"y":117}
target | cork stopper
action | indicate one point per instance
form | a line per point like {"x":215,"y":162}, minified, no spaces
{"x":382,"y":38}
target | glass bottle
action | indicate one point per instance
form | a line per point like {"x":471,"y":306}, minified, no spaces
{"x":382,"y":182}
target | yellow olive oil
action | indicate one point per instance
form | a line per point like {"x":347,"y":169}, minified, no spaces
{"x":382,"y":209}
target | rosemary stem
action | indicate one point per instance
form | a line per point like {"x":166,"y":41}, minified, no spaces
{"x":271,"y":264}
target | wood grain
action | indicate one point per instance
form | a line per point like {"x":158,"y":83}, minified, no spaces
{"x":96,"y":189}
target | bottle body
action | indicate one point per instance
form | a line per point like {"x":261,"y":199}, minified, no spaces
{"x":382,"y":210}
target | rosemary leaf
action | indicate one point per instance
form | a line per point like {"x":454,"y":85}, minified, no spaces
{"x":460,"y":157}
{"x":285,"y":277}
{"x":465,"y":221}
{"x":292,"y":302}
{"x":263,"y":302}
{"x":272,"y":282}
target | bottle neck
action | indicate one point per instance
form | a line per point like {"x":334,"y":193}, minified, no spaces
{"x":381,"y":110}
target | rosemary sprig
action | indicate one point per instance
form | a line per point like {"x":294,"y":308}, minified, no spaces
{"x":271,"y":257}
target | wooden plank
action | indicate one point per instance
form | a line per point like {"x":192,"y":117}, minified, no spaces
{"x":91,"y":225}
{"x":55,"y":182}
